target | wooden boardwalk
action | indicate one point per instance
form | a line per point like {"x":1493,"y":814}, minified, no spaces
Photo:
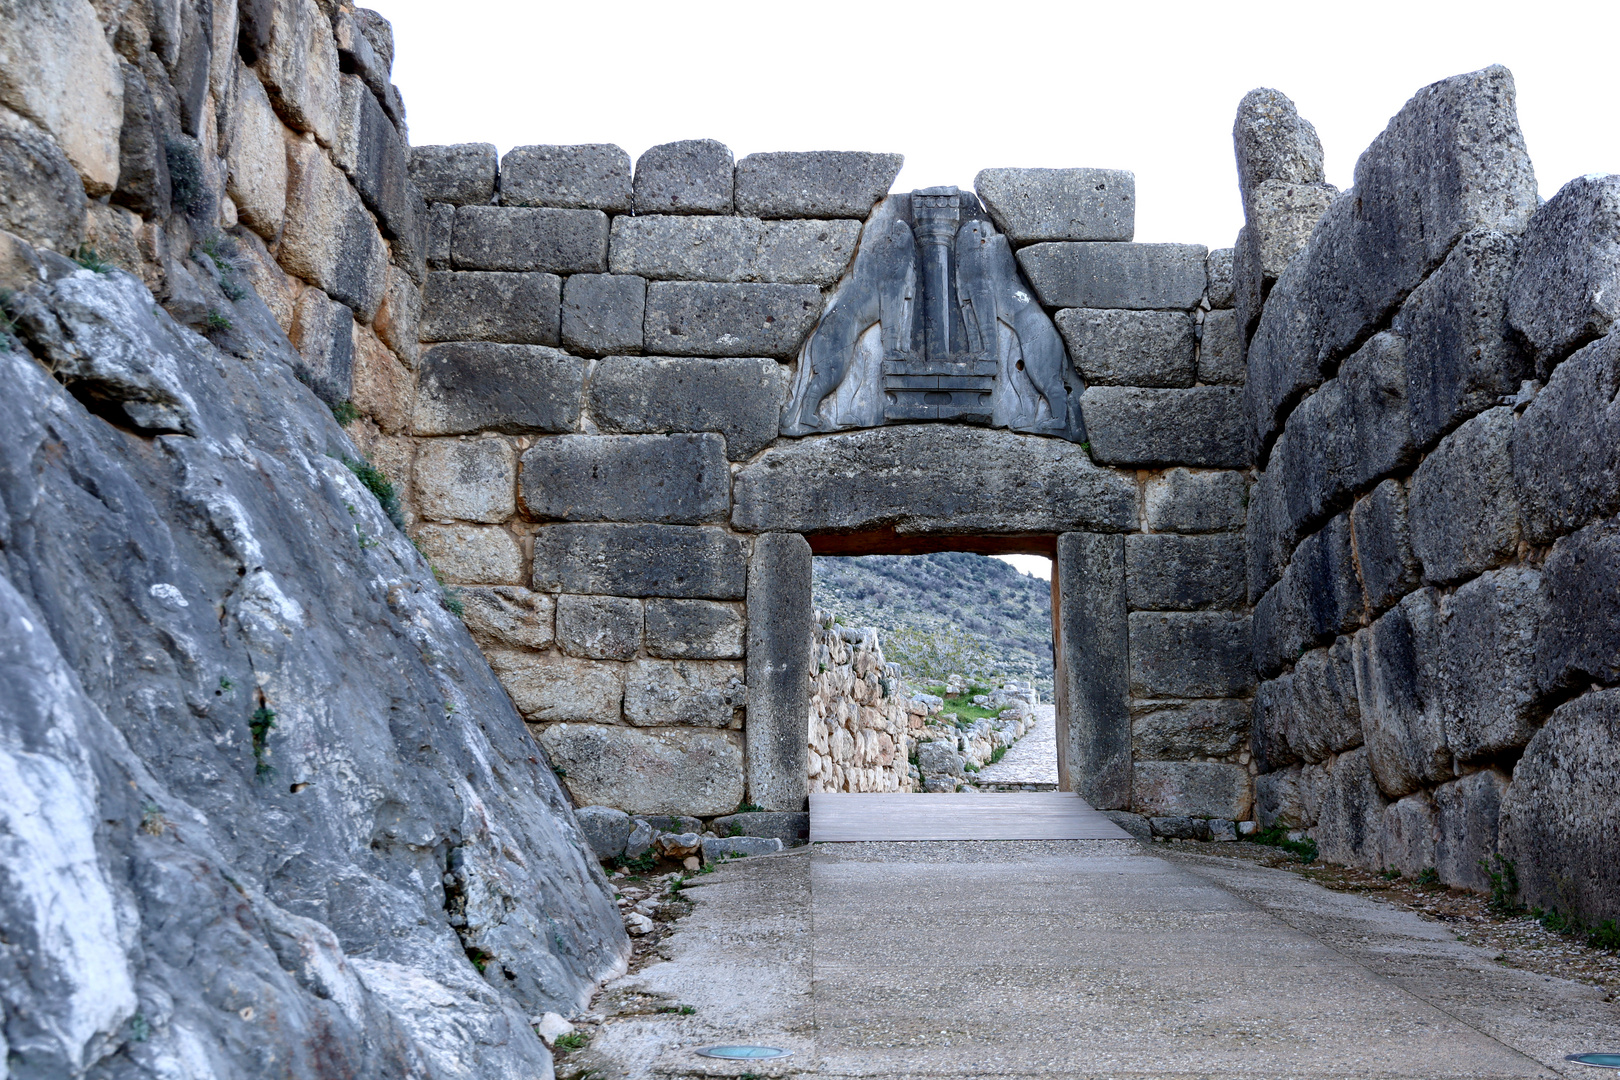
{"x":1022,"y":815}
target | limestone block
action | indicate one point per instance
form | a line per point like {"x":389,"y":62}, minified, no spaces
{"x":1273,"y":710}
{"x":1566,"y":290}
{"x":930,"y":479}
{"x":1277,"y":800}
{"x":599,"y":627}
{"x":694,"y":630}
{"x":1580,"y":631}
{"x":1325,"y":718}
{"x":1178,"y":730}
{"x":41,"y":198}
{"x":1105,"y":275}
{"x":1202,"y":426}
{"x":256,"y":157}
{"x":1184,"y":501}
{"x":815,"y":184}
{"x":329,"y":238}
{"x":279,"y":291}
{"x":603,"y":313}
{"x":695,"y":318}
{"x":472,"y":554}
{"x":58,"y":70}
{"x":1130,"y":348}
{"x":1560,"y":819}
{"x":508,"y":617}
{"x":685,"y":248}
{"x":1281,"y":217}
{"x":1221,"y":282}
{"x":1179,"y":827}
{"x":473,"y":305}
{"x":1166,"y":572}
{"x":641,"y":560}
{"x":1566,"y":445}
{"x":399,"y":317}
{"x":1467,"y":819}
{"x":115,"y":234}
{"x":1092,"y":646}
{"x":939,"y":759}
{"x":323,"y":333}
{"x":1191,"y":789}
{"x":805,"y":252}
{"x":1317,"y":598}
{"x":383,"y":387}
{"x":467,"y":387}
{"x":374,"y":155}
{"x":1383,"y":544}
{"x":693,"y":176}
{"x":605,"y":829}
{"x":780,"y":622}
{"x":466,"y":479}
{"x":440,"y":225}
{"x":1248,"y":284}
{"x":1220,"y":350}
{"x":790,"y":828}
{"x":718,"y":849}
{"x":1488,"y":687}
{"x":681,"y":693}
{"x":300,"y":68}
{"x":462,"y":174}
{"x":1190,"y":654}
{"x":673,"y":479}
{"x":696,"y":772}
{"x":739,"y":398}
{"x":589,"y":176}
{"x":1315,"y":783}
{"x":551,"y":688}
{"x":1349,"y":822}
{"x":1030,"y":205}
{"x":1273,"y":142}
{"x":1409,"y":834}
{"x":1135,"y":824}
{"x":529,"y":238}
{"x":143,"y":162}
{"x":1464,"y":513}
{"x":20,"y":264}
{"x":365,"y":42}
{"x":1397,"y":688}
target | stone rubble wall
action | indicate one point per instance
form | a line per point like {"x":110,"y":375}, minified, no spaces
{"x":863,"y":720}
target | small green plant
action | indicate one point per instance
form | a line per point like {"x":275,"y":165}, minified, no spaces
{"x":734,"y":830}
{"x":562,"y":773}
{"x":86,"y":257}
{"x":187,"y":192}
{"x":1503,"y":875}
{"x":1390,"y":875}
{"x":218,"y":320}
{"x":1428,"y":877}
{"x":1605,"y":935}
{"x":1277,"y":837}
{"x":998,"y":753}
{"x":450,"y":600}
{"x":225,"y":684}
{"x":220,"y":250}
{"x":376,"y":481}
{"x":644,"y":863}
{"x":365,"y":541}
{"x":140,"y":1028}
{"x":264,"y":719}
{"x":480,"y":959}
{"x":678,"y":1010}
{"x":574,"y":1040}
{"x":746,"y":807}
{"x":153,"y":823}
{"x":345,"y":412}
{"x":1086,"y":446}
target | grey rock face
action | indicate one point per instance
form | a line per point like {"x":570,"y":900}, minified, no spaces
{"x":696,"y":318}
{"x":143,"y":164}
{"x":1273,"y":142}
{"x":1317,"y":598}
{"x":599,"y":627}
{"x":1467,"y":815}
{"x":1179,"y":827}
{"x":648,"y":772}
{"x":1135,"y":824}
{"x":508,"y":617}
{"x":780,"y":622}
{"x":1220,"y":350}
{"x":939,"y":759}
{"x":694,"y":630}
{"x":1566,"y":445}
{"x":1311,"y":712}
{"x":518,"y":309}
{"x":1178,"y":730}
{"x":551,"y":688}
{"x":1183,"y":501}
{"x":529,"y":238}
{"x":1190,"y":654}
{"x":673,"y":479}
{"x":641,"y":560}
{"x":329,"y":237}
{"x":1102,"y":275}
{"x":1130,"y":348}
{"x":1464,"y":507}
{"x":1277,"y":801}
{"x":462,"y":174}
{"x":603,"y":313}
{"x":323,"y":330}
{"x":738,"y":847}
{"x":1488,"y":688}
{"x":1187,"y":789}
{"x":1408,"y":834}
{"x":1579,"y":637}
{"x":693,"y":176}
{"x":1383,"y":543}
{"x":465,"y":480}
{"x":439,"y":225}
{"x":640,"y":840}
{"x":1397,"y":686}
{"x":792,"y":829}
{"x":1221,"y":280}
{"x":1092,"y":642}
{"x":606,"y":830}
{"x":818,"y":184}
{"x":1060,"y":204}
{"x":1281,"y":218}
{"x":1566,"y":290}
{"x":592,"y":176}
{"x":1349,"y":822}
{"x":930,"y":479}
{"x":468,"y":387}
{"x":1165,"y":572}
{"x":1202,"y":426}
{"x":739,"y":398}
{"x":712,"y":248}
{"x":372,"y":152}
{"x":684,"y":693}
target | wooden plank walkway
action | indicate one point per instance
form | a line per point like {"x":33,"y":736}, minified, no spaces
{"x":1021,"y":815}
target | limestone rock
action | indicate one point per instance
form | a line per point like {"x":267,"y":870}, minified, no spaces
{"x":323,"y":331}
{"x":1221,"y":282}
{"x":473,"y":554}
{"x":1467,"y":816}
{"x":1093,"y":637}
{"x":817,"y":184}
{"x":647,"y":771}
{"x":518,"y":309}
{"x":143,"y":160}
{"x":1464,"y":514}
{"x":550,"y":688}
{"x":1202,"y":426}
{"x":1489,"y":691}
{"x":58,"y":70}
{"x":508,"y":617}
{"x":1273,"y":142}
{"x":1317,"y":598}
{"x":528,"y":238}
{"x":1349,"y":822}
{"x":603,"y":313}
{"x":682,"y":693}
{"x":1580,"y":630}
{"x":679,"y":561}
{"x":399,"y":317}
{"x":462,"y":174}
{"x":1191,"y":789}
{"x":792,"y":829}
{"x":592,"y":176}
{"x":1397,"y":688}
{"x":1220,"y":350}
{"x":737,"y":847}
{"x":599,"y":627}
{"x":1190,"y":654}
{"x":1281,"y":217}
{"x":694,"y":630}
{"x":1029,"y":205}
{"x":1383,"y":545}
{"x":1565,"y":291}
{"x":1566,"y":445}
{"x":1165,"y":572}
{"x":41,"y":199}
{"x":693,"y":176}
{"x":778,"y":670}
{"x":1179,"y":730}
{"x":739,"y":398}
{"x":940,"y":759}
{"x":1181,"y":500}
{"x":1135,"y":824}
{"x":373,"y":153}
{"x":672,"y":479}
{"x":732,"y":249}
{"x":1130,"y":348}
{"x":1108,"y":275}
{"x":699,"y":318}
{"x":329,"y":238}
{"x":469,"y":387}
{"x":1277,"y":800}
{"x":256,"y":158}
{"x":606,"y":830}
{"x":1409,"y":835}
{"x":299,"y":67}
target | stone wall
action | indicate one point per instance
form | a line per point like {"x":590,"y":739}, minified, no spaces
{"x":862,"y":718}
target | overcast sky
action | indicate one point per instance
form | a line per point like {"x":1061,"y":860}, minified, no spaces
{"x":1149,"y":87}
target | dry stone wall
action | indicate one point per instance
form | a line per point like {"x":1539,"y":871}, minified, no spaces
{"x":863,"y":719}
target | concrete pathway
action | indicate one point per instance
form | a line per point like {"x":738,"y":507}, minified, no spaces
{"x":1030,"y":760}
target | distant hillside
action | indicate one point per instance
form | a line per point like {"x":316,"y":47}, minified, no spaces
{"x":952,"y":601}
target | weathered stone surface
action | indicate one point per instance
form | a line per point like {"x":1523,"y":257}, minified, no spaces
{"x":1202,"y":426}
{"x":472,"y":554}
{"x":732,"y":249}
{"x":1409,"y":835}
{"x":1488,"y":688}
{"x":698,"y":318}
{"x":1566,"y":290}
{"x":399,"y":317}
{"x":1274,"y":710}
{"x":590,"y":176}
{"x":605,"y":829}
{"x":1135,"y":824}
{"x":372,"y":152}
{"x":790,"y":828}
{"x":1060,"y":204}
{"x":1281,"y":217}
{"x":41,"y":199}
{"x":694,"y":630}
{"x":1277,"y":799}
{"x":1383,"y":544}
{"x":603,"y":313}
{"x":1220,"y":350}
{"x":682,"y":693}
{"x":440,"y":225}
{"x":1190,"y":654}
{"x":1464,"y":512}
{"x":1091,"y":646}
{"x":383,"y":387}
{"x":1559,"y":817}
{"x":1580,"y":632}
{"x":550,"y":688}
{"x":739,"y":398}
{"x":673,"y":479}
{"x":1273,"y":142}
{"x":1166,"y":572}
{"x":1317,"y":598}
{"x":1130,"y":348}
{"x":462,"y":174}
{"x":1221,"y":281}
{"x":300,"y":68}
{"x":329,"y":238}
{"x":1103,"y":275}
{"x":468,"y":387}
{"x":1248,"y":285}
{"x":323,"y":331}
{"x":1178,"y":730}
{"x":143,"y":161}
{"x":365,"y":42}
{"x":780,"y":621}
{"x":1325,"y":714}
{"x":1467,"y":816}
{"x":600,"y":628}
{"x":255,"y":158}
{"x":1349,"y":822}
{"x":1191,"y":789}
{"x":20,"y":264}
{"x":1397,"y":686}
{"x":937,"y":759}
{"x":641,"y":560}
{"x":1183,"y":501}
{"x":58,"y":70}
{"x":1179,"y":827}
{"x":518,"y":309}
{"x":508,"y":617}
{"x":693,"y":176}
{"x":699,"y":772}
{"x":930,"y":479}
{"x":806,"y":252}
{"x":816,"y":184}
{"x":529,"y":238}
{"x":1566,"y":445}
{"x":719,"y":849}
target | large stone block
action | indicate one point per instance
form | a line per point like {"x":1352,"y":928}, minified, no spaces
{"x":1325,"y":717}
{"x":1060,"y":204}
{"x":143,"y":162}
{"x":732,"y":249}
{"x":551,"y":688}
{"x":1166,"y":572}
{"x":791,"y":829}
{"x":329,"y":238}
{"x":1580,"y":631}
{"x":606,"y":830}
{"x":693,"y":176}
{"x":1566,"y":445}
{"x":1277,"y":800}
{"x":1281,"y":217}
{"x":299,"y":67}
{"x":1273,"y":709}
{"x":931,"y":479}
{"x":1131,"y":348}
{"x":472,"y":554}
{"x":440,"y":224}
{"x":323,"y":332}
{"x":1221,"y":282}
{"x":648,"y":772}
{"x":1467,"y":815}
{"x":509,"y":617}
{"x":1092,"y":671}
{"x":1220,"y":350}
{"x":473,"y":305}
{"x":603,"y":313}
{"x":1190,"y":654}
{"x":529,"y":238}
{"x":372,"y":152}
{"x":1191,"y":789}
{"x":466,"y":479}
{"x":1560,"y":821}
{"x":383,"y":389}
{"x":699,"y":318}
{"x":1397,"y":663}
{"x":781,"y":620}
{"x":672,"y":479}
{"x":641,"y":560}
{"x":1103,"y":275}
{"x":1566,"y":290}
{"x":399,"y":317}
{"x":1179,"y":730}
{"x":468,"y":387}
{"x":1383,"y":544}
{"x":590,"y":176}
{"x":1202,"y":426}
{"x":1409,"y":835}
{"x":59,"y":70}
{"x":739,"y":398}
{"x":805,"y":252}
{"x":1183,"y":501}
{"x":683,"y":693}
{"x":1317,"y":598}
{"x":694,"y":630}
{"x":1489,"y":692}
{"x":1273,"y":142}
{"x":1350,"y":819}
{"x":462,"y":174}
{"x":816,"y":184}
{"x":41,"y":197}
{"x":1464,"y":513}
{"x":600,"y":627}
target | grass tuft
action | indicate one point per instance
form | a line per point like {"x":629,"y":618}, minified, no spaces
{"x":1277,"y":837}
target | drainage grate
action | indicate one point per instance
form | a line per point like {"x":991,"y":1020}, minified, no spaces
{"x":1602,"y":1061}
{"x":743,"y":1053}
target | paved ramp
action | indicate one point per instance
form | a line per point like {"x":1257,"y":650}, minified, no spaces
{"x":1021,"y":815}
